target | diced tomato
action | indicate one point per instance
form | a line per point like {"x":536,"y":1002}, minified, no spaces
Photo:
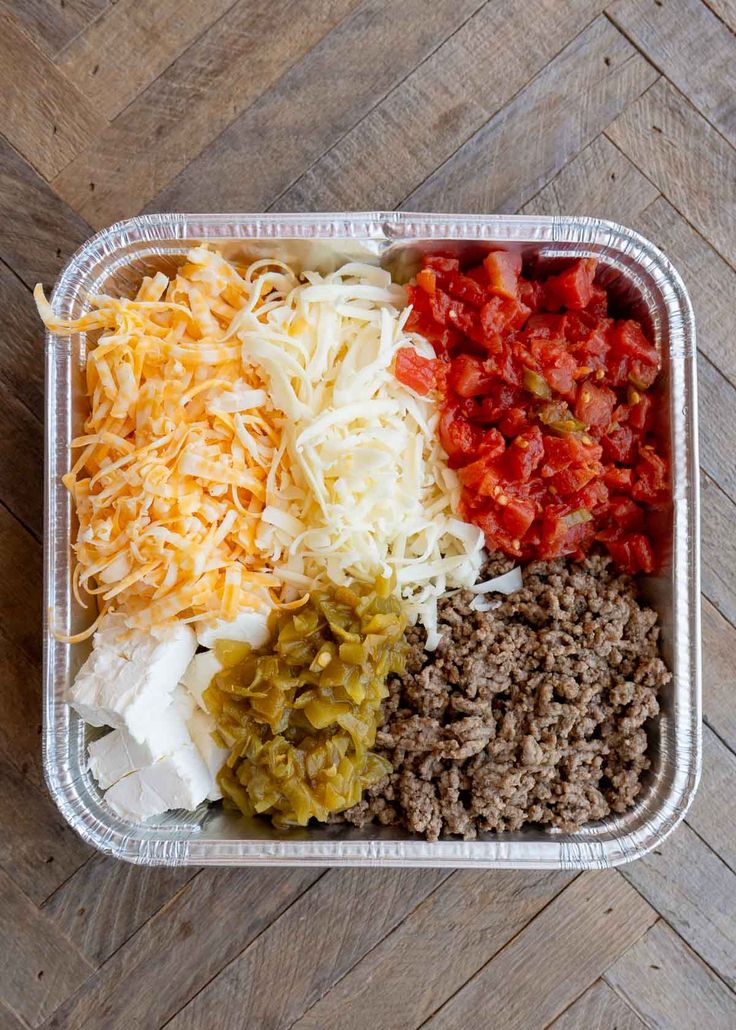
{"x":593,"y":497}
{"x":594,"y":405}
{"x":444,"y":341}
{"x":501,"y":313}
{"x":598,"y":303}
{"x":524,"y":454}
{"x":546,"y":327}
{"x":459,"y":437}
{"x":518,"y":515}
{"x":427,"y":279}
{"x":492,"y":444}
{"x":562,"y":451}
{"x":464,"y":288}
{"x":531,"y":294}
{"x":441,"y":263}
{"x":559,"y":538}
{"x":503,"y":270}
{"x":558,"y":365}
{"x":497,"y":536}
{"x":415,"y":371}
{"x":572,"y":288}
{"x":469,"y":377}
{"x":465,"y":318}
{"x":626,"y":514}
{"x":592,"y":352}
{"x":439,"y":306}
{"x":618,"y":478}
{"x":627,"y":338}
{"x":651,"y":476}
{"x":572,"y":479}
{"x":619,"y":445}
{"x":632,"y":553}
{"x":519,"y":384}
{"x":506,"y":367}
{"x":514,"y":421}
{"x":579,"y":325}
{"x":642,"y":374}
{"x":640,"y":414}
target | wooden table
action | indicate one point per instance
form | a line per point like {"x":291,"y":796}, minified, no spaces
{"x":511,"y":105}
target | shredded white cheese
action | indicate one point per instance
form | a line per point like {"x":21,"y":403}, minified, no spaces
{"x":360,"y":485}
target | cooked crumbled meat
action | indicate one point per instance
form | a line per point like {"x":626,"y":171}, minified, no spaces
{"x":531,"y":713}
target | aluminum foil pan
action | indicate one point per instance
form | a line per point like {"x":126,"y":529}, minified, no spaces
{"x":639,"y":276}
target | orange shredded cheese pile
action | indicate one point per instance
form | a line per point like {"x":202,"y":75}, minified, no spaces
{"x":169,"y":482}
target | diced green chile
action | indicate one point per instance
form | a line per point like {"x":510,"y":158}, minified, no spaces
{"x":300,"y":715}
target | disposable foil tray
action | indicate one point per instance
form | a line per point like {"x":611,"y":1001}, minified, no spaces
{"x":638,"y":276}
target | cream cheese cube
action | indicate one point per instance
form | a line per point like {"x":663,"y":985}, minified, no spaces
{"x":129,"y":677}
{"x":181,"y":780}
{"x":249,"y":626}
{"x":118,"y":753}
{"x":201,"y":726}
{"x":199,"y":673}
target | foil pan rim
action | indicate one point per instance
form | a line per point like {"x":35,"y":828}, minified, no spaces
{"x":174,"y":842}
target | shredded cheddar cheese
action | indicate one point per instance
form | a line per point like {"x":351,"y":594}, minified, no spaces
{"x":169,"y":479}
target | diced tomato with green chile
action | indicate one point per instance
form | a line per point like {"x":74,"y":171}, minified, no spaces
{"x":547,"y":409}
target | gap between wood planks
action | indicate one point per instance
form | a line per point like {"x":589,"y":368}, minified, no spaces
{"x":420,"y":901}
{"x":395,"y":86}
{"x":569,"y":42}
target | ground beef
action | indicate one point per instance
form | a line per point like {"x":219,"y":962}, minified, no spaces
{"x":532,"y":713}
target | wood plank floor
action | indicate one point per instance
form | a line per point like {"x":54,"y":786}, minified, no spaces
{"x":625,"y":110}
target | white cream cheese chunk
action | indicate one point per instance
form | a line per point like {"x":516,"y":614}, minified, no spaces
{"x":199,"y":673}
{"x":201,"y":727}
{"x":129,"y":677}
{"x":250,"y":627}
{"x":118,"y":753}
{"x":181,"y":780}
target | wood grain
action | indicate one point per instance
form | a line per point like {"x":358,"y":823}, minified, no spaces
{"x":718,"y":548}
{"x":42,"y":114}
{"x":596,"y":76}
{"x":8,"y":1019}
{"x":105,"y":902}
{"x":530,"y":981}
{"x":710,"y":280}
{"x":21,"y":443}
{"x":311,"y":947}
{"x":113,"y":60}
{"x":438,"y":106}
{"x":695,"y":891}
{"x":38,"y":232}
{"x":704,"y":70}
{"x":686,"y":158}
{"x":38,"y":850}
{"x":21,"y":371}
{"x":146,"y":983}
{"x":377,"y":42}
{"x":600,"y":1008}
{"x":669,"y":986}
{"x":600,"y":182}
{"x":725,"y":10}
{"x":454,"y":932}
{"x":198,"y":96}
{"x":39,"y":965}
{"x":53,"y":23}
{"x":717,"y":395}
{"x":21,"y":587}
{"x":719,"y":647}
{"x":713,"y":814}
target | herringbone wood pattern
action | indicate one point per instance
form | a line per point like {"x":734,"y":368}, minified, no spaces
{"x":623,"y":110}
